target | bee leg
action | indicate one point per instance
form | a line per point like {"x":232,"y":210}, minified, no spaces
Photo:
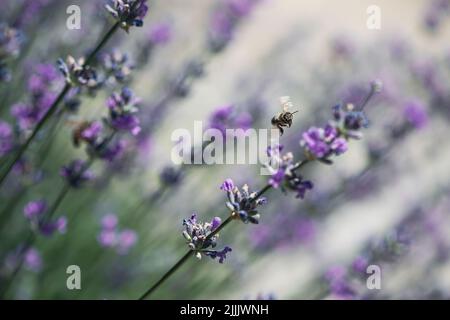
{"x":281,"y":130}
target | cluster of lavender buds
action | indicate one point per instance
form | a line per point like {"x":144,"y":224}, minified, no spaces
{"x":117,"y":67}
{"x":128,"y":13}
{"x":42,"y":84}
{"x":225,"y":19}
{"x":11,"y":41}
{"x":228,"y":117}
{"x":122,"y":108}
{"x":322,"y":143}
{"x":283,"y":172}
{"x":200,"y":238}
{"x":77,"y":74}
{"x":111,"y":237}
{"x":35,"y":212}
{"x":242,"y":203}
{"x":76,"y":173}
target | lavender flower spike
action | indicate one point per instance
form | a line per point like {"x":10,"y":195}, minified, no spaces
{"x":128,"y":13}
{"x":200,"y":239}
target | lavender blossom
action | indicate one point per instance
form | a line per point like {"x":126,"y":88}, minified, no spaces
{"x":128,"y":13}
{"x":35,"y":212}
{"x":117,"y":66}
{"x":284,"y":173}
{"x":76,"y":174}
{"x":41,"y":85}
{"x":199,"y":239}
{"x":122,"y":108}
{"x":242,"y":203}
{"x":322,"y":143}
{"x":35,"y":209}
{"x":79,"y":75}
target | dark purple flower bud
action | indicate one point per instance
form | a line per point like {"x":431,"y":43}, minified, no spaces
{"x":128,"y":12}
{"x":171,"y":176}
{"x":48,"y":228}
{"x":221,"y":255}
{"x":76,"y":173}
{"x":302,"y":187}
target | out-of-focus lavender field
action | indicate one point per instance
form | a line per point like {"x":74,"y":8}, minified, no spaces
{"x":87,"y":177}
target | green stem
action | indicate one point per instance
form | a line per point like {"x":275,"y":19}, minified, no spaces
{"x":167,"y":274}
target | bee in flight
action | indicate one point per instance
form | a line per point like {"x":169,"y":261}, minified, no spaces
{"x":284,"y":119}
{"x":79,"y":127}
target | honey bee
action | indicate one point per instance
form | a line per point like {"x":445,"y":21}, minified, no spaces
{"x":284,"y":119}
{"x":77,"y":132}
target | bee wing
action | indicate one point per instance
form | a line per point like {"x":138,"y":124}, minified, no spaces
{"x":286,"y":103}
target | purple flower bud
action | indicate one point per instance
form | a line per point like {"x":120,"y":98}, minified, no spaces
{"x":277,"y":178}
{"x":227,"y":185}
{"x":32,"y":260}
{"x":92,"y":132}
{"x":339,"y":146}
{"x":215,"y":223}
{"x":127,"y":239}
{"x":34,"y":209}
{"x":313,"y":141}
{"x":76,"y":173}
{"x":107,"y":238}
{"x":160,"y":34}
{"x":415,"y":114}
{"x":109,"y":221}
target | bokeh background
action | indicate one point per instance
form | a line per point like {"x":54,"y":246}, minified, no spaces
{"x":384,"y":202}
